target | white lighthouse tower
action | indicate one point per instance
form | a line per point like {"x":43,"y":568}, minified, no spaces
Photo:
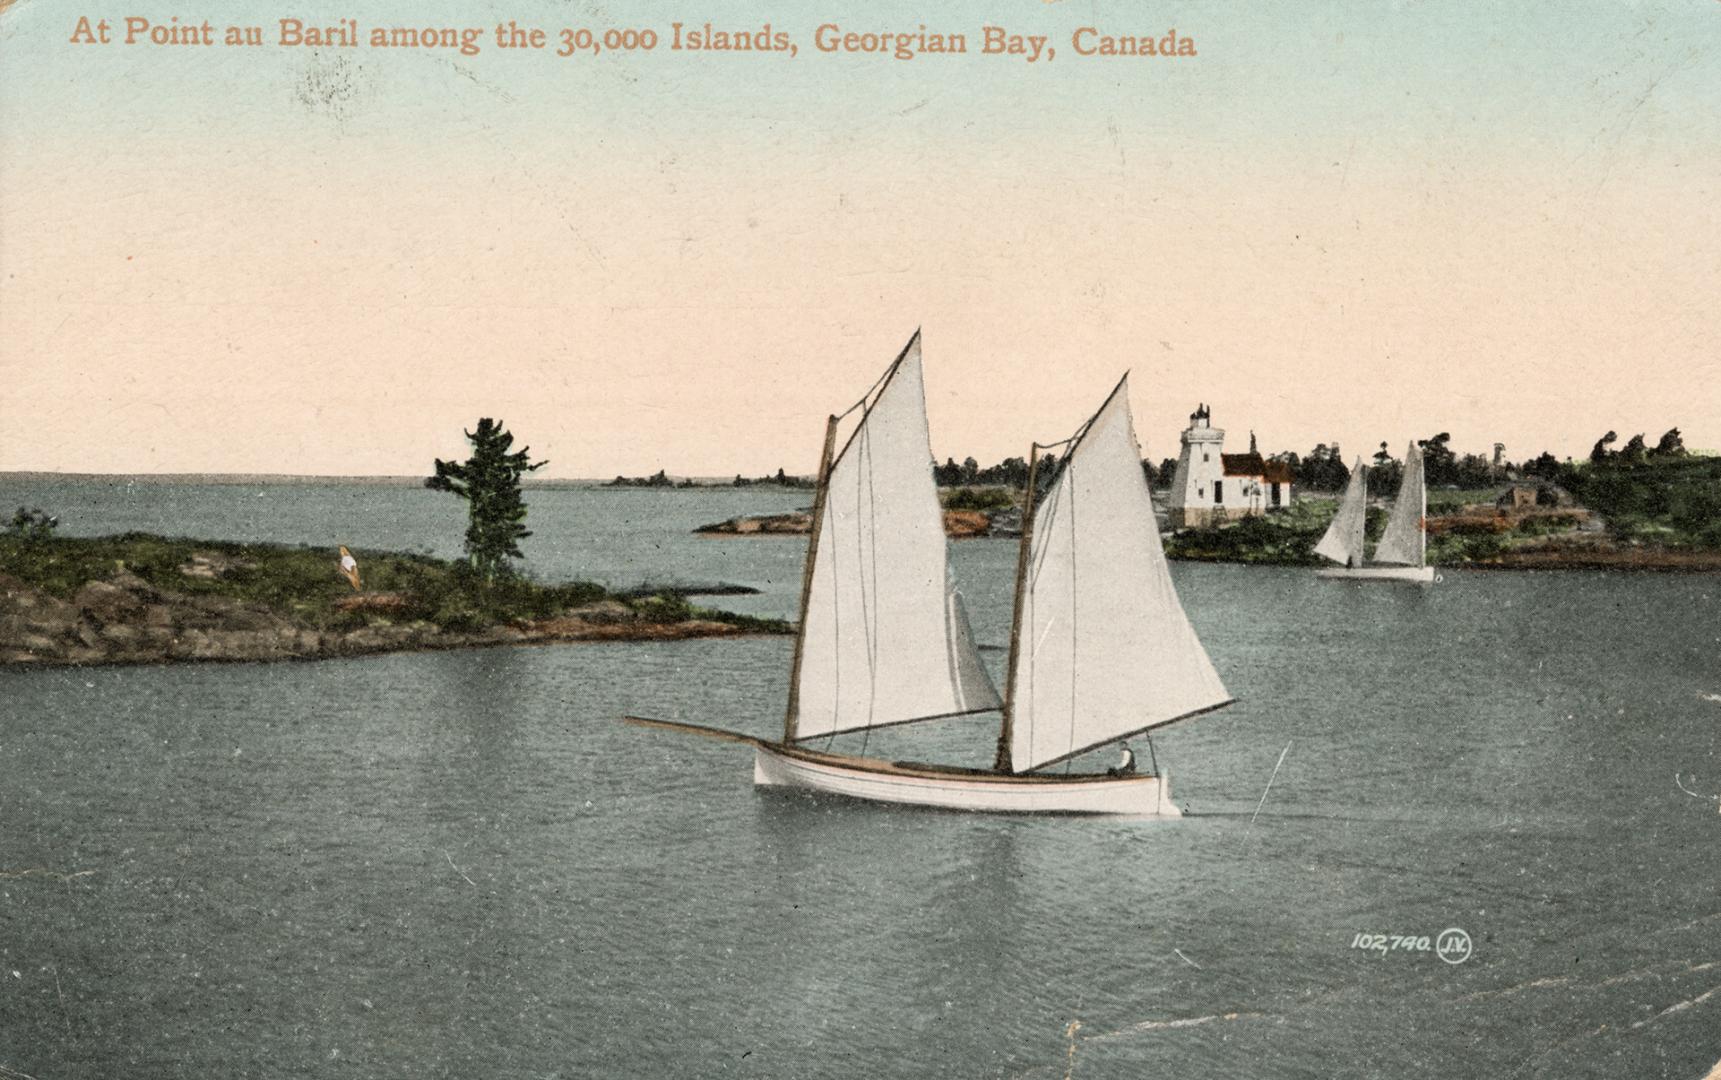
{"x":1198,"y":487}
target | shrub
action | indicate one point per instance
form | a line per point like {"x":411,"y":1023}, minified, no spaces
{"x":978,"y":498}
{"x":32,"y":524}
{"x":664,"y":608}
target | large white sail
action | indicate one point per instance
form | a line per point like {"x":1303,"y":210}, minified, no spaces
{"x":1103,"y":647}
{"x":1404,"y":542}
{"x":884,"y":639}
{"x":1344,"y":538}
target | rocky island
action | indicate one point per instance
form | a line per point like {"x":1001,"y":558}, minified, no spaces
{"x":958,"y":524}
{"x":969,"y":512}
{"x":140,"y":599}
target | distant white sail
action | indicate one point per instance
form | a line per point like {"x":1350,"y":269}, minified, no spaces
{"x":967,"y":670}
{"x":1343,"y":541}
{"x":1104,"y":648}
{"x":1404,"y":542}
{"x":884,"y":639}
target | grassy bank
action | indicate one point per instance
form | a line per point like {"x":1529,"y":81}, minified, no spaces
{"x":984,"y":499}
{"x":1288,"y":538}
{"x":1285,"y":538}
{"x":1666,"y":520}
{"x":1672,"y":502}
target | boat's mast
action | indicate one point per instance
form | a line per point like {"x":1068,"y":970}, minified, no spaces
{"x":1023,"y":554}
{"x":792,"y":713}
{"x":1361,"y":531}
{"x":1422,"y":516}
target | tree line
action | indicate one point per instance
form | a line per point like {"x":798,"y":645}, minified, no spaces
{"x":1011,"y":472}
{"x":661,"y":479}
{"x":1324,"y":469}
{"x":1636,"y":451}
{"x":489,"y":482}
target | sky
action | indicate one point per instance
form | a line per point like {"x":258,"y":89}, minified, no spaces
{"x":1338,"y":222}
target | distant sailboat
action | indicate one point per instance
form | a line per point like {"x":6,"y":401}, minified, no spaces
{"x":1402,"y":554}
{"x":1100,"y":648}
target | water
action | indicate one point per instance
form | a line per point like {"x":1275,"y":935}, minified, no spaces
{"x":460,"y":864}
{"x":619,"y":536}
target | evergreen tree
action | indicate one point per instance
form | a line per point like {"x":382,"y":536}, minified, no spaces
{"x":1672,"y":444}
{"x":489,"y":481}
{"x":1167,"y":472}
{"x":1473,"y":471}
{"x":1600,"y":452}
{"x":1044,"y":470}
{"x":1386,"y":473}
{"x":1439,"y":463}
{"x":1012,"y":471}
{"x":1323,"y":470}
{"x":32,"y":524}
{"x":1546,"y":466}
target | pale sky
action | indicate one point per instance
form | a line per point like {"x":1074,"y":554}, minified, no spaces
{"x":1347,"y":222}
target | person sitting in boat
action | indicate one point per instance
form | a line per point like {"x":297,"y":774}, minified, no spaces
{"x":1126,"y":763}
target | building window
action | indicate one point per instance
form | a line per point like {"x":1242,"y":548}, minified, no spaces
{"x":1205,"y":457}
{"x":1276,"y":495}
{"x":1219,"y":491}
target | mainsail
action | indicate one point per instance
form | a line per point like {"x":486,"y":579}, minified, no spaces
{"x":1102,"y":647}
{"x":1404,"y":541}
{"x":1343,"y":541}
{"x":884,"y":639}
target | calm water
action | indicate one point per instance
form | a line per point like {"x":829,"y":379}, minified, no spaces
{"x":460,"y":864}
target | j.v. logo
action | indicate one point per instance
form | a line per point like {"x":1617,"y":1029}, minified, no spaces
{"x":1453,"y":945}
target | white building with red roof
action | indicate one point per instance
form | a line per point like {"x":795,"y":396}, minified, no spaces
{"x":1212,"y":486}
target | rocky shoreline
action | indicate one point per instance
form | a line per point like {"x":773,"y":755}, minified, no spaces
{"x":122,"y":619}
{"x":1581,"y":545}
{"x":1604,"y":557}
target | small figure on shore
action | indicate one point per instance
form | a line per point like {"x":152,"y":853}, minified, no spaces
{"x":350,"y":567}
{"x":1126,"y":762}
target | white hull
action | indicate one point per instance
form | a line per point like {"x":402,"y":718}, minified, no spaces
{"x":958,"y":789}
{"x":1423,"y":575}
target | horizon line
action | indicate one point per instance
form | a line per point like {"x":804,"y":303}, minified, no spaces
{"x":414,"y":479}
{"x":403,"y":479}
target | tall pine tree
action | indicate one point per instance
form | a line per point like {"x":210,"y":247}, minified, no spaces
{"x":489,"y":481}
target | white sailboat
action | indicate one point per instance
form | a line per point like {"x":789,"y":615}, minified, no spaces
{"x":1402,"y":554}
{"x":1100,"y":647}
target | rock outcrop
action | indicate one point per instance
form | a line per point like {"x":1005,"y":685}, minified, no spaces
{"x":798,"y":522}
{"x":125,"y":620}
{"x":958,"y":524}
